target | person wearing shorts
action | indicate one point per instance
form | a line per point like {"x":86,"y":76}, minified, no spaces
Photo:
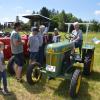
{"x":33,"y":43}
{"x":17,"y":50}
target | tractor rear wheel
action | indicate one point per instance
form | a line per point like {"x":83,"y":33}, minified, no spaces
{"x":88,"y":65}
{"x":33,"y":74}
{"x":10,"y":66}
{"x":75,"y":83}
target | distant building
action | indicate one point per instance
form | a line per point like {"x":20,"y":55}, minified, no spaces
{"x":17,"y":19}
{"x":8,"y":24}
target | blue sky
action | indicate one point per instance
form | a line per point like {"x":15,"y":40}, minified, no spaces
{"x":84,"y":9}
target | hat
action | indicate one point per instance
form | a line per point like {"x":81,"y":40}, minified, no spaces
{"x":42,"y":27}
{"x":75,"y":23}
{"x":34,"y":29}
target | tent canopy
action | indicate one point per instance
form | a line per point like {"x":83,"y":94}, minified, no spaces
{"x":37,"y":17}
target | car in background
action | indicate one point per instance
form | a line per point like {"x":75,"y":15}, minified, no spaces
{"x":1,"y":33}
{"x":5,"y":38}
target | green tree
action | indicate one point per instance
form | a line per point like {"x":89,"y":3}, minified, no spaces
{"x":45,"y":12}
{"x":1,"y":26}
{"x":33,"y":12}
{"x":54,"y":23}
{"x":25,"y":26}
{"x":95,"y":27}
{"x":62,"y":20}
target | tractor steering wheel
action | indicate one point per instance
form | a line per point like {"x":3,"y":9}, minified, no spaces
{"x":68,"y":37}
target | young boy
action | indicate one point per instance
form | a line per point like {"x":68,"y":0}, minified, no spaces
{"x":56,"y":37}
{"x":33,"y":43}
{"x":3,"y":71}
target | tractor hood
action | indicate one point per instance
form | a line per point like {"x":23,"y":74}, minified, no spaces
{"x":60,"y":47}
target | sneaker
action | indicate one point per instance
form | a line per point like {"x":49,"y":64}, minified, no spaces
{"x":6,"y":92}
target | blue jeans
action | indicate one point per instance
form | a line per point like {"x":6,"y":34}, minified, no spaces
{"x":4,"y":77}
{"x":41,"y":55}
{"x":79,"y":44}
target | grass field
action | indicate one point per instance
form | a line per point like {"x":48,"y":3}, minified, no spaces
{"x":58,"y":89}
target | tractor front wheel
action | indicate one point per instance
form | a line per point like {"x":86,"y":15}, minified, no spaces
{"x":33,"y":74}
{"x":75,"y":83}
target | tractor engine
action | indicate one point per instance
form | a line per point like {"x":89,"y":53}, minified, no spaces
{"x":55,"y":54}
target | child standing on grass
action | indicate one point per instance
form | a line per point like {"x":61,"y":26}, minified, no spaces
{"x":33,"y":43}
{"x":3,"y":71}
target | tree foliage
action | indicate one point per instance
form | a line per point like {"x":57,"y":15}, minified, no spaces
{"x":60,"y":18}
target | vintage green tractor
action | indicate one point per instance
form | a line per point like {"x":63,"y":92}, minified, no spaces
{"x":59,"y":63}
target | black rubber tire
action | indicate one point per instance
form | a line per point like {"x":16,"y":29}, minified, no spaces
{"x":77,"y":76}
{"x":88,"y":65}
{"x":10,"y":66}
{"x":29,"y":73}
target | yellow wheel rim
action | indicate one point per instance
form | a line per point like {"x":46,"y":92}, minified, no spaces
{"x":78,"y":84}
{"x":36,"y":79}
{"x":91,"y":66}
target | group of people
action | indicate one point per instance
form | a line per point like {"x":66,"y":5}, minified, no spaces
{"x":35,"y":44}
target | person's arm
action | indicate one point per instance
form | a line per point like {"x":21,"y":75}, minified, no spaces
{"x":76,"y":36}
{"x":47,"y":28}
{"x":28,"y":43}
{"x":72,"y":36}
{"x":16,"y":41}
{"x":3,"y":61}
{"x":79,"y":36}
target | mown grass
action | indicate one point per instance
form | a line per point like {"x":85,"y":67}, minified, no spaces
{"x":58,"y":89}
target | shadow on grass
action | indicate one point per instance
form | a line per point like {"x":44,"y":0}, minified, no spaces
{"x":63,"y":90}
{"x":95,"y":76}
{"x":9,"y":97}
{"x":36,"y":88}
{"x":83,"y":93}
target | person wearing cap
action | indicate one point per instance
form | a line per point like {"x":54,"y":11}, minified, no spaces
{"x":33,"y":43}
{"x":41,"y":46}
{"x":17,"y":50}
{"x":77,"y":36}
{"x":56,"y":37}
{"x":3,"y":74}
